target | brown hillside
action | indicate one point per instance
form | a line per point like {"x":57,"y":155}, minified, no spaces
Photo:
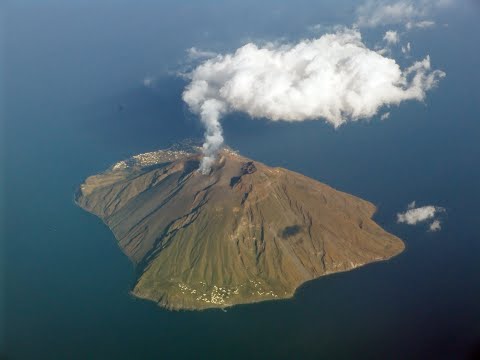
{"x":245,"y":233}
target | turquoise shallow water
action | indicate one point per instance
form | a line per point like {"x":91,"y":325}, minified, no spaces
{"x":75,"y":105}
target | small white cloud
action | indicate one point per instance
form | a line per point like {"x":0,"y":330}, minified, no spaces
{"x":196,"y":54}
{"x":148,"y":81}
{"x":415,"y":215}
{"x":420,"y":24}
{"x":373,"y":13}
{"x":435,"y":226}
{"x":376,"y":13}
{"x":406,"y":49}
{"x":391,"y":37}
{"x":385,"y":116}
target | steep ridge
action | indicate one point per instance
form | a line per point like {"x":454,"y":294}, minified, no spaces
{"x":245,"y":233}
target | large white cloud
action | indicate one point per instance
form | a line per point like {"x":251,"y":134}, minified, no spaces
{"x":335,"y":77}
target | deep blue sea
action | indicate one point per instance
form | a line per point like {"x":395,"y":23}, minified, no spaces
{"x":74,"y":103}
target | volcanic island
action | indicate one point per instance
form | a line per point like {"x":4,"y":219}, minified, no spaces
{"x":244,"y":233}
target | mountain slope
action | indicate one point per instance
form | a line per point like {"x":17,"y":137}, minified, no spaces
{"x":245,"y":233}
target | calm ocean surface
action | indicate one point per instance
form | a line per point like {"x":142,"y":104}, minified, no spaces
{"x":75,"y":104}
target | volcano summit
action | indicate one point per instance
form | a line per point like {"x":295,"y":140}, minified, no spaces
{"x":244,"y":233}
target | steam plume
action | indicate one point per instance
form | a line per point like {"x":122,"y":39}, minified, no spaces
{"x":335,"y":78}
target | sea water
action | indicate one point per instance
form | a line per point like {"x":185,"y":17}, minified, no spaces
{"x":75,"y":104}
